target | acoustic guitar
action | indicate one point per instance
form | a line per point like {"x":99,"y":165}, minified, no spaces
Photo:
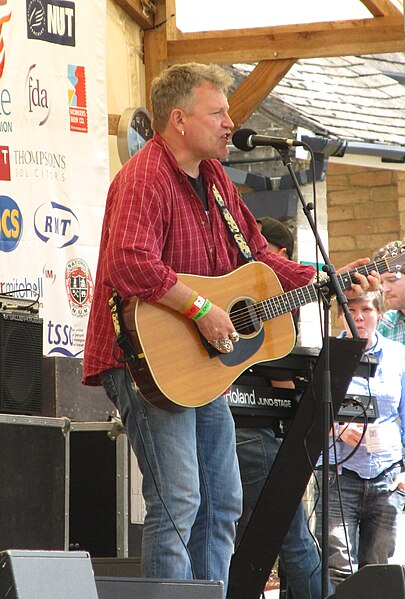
{"x":175,"y":367}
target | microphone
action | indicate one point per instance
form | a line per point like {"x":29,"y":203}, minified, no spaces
{"x":247,"y":139}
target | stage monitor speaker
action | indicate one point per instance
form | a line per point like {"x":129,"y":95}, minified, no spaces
{"x":147,"y":588}
{"x":373,"y":582}
{"x":46,"y":575}
{"x":20,"y":363}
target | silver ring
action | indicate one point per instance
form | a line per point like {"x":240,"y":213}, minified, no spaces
{"x":234,"y":336}
{"x":223,"y":344}
{"x":226,"y":345}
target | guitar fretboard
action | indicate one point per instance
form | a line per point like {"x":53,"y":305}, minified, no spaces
{"x":382,"y":266}
{"x":281,"y":304}
{"x":291,"y":300}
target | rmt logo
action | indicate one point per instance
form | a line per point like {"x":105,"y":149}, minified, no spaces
{"x":51,"y":21}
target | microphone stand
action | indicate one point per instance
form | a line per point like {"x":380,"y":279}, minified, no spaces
{"x":283,"y":149}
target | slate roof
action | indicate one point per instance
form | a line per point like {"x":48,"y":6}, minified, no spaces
{"x":345,"y":97}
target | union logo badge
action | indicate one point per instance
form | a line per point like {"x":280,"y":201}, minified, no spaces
{"x":79,"y":287}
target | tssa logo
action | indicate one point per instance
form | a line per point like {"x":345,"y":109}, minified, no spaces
{"x":51,"y":21}
{"x":63,"y":339}
{"x":53,"y":221}
{"x":11,"y":224}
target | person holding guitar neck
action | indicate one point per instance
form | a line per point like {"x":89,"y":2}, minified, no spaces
{"x":170,"y":210}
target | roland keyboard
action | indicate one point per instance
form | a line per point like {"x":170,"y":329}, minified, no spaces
{"x":253,"y":395}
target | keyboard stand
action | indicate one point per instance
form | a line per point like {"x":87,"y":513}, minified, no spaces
{"x":260,"y":545}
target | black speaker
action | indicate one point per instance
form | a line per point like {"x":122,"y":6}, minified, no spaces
{"x":46,"y":575}
{"x":149,"y":588}
{"x":33,"y":476}
{"x":373,"y":582}
{"x":20,"y":363}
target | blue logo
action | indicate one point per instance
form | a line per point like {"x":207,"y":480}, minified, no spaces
{"x":64,"y":340}
{"x":51,"y":21}
{"x":11,"y":224}
{"x":53,"y":221}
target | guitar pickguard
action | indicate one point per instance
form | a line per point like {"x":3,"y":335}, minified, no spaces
{"x":243,"y":349}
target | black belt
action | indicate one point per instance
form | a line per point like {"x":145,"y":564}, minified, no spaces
{"x":353,"y":474}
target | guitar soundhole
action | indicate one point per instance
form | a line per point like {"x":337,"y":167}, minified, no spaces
{"x":244,"y":317}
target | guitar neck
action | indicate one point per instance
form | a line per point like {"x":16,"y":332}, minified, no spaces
{"x":286,"y":302}
{"x":347,"y":278}
{"x":291,"y":300}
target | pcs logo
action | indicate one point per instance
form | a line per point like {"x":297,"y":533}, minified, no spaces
{"x":11,"y":224}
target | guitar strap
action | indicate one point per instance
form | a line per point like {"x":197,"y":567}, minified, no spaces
{"x":234,"y":230}
{"x":121,"y":337}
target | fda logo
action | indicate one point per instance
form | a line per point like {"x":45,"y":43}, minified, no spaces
{"x":51,"y":21}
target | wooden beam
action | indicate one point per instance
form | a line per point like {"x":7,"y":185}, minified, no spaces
{"x":309,"y":40}
{"x":143,"y":13}
{"x":255,"y":88}
{"x":274,"y":48}
{"x":384,"y":8}
{"x":155,"y":44}
{"x":113,"y":120}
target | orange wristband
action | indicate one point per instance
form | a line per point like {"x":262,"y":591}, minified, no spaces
{"x":187,"y":304}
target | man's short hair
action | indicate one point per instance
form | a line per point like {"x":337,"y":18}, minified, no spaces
{"x":174,"y":87}
{"x":376,"y":297}
{"x":277,"y":233}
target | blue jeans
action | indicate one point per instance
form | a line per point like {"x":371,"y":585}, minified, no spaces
{"x":191,"y":482}
{"x":371,"y":513}
{"x":299,"y":554}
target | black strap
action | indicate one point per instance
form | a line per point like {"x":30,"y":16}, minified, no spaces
{"x":234,"y":230}
{"x":121,"y":338}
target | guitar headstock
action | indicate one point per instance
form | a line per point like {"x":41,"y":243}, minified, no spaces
{"x":393,"y":254}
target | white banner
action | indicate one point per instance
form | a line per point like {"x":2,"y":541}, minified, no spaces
{"x":54,"y":171}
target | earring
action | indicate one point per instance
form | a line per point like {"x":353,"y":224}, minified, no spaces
{"x":182,"y":133}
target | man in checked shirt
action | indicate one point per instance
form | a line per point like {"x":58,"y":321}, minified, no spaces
{"x":161,"y":219}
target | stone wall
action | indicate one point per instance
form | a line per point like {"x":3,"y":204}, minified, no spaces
{"x":366,"y":209}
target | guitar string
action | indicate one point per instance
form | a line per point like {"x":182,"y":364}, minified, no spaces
{"x":263,"y":310}
{"x":281,"y":303}
{"x":273,"y":307}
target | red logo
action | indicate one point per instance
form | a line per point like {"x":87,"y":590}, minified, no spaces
{"x":5,"y":163}
{"x":5,"y":16}
{"x":77,"y":99}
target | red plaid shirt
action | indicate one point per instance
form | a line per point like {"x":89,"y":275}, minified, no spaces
{"x":155,"y":226}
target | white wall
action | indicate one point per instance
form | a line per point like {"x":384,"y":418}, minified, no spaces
{"x":125,"y":71}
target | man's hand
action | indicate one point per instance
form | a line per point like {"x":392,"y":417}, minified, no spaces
{"x":216,"y":326}
{"x":399,"y":483}
{"x":350,"y":433}
{"x":369,"y":283}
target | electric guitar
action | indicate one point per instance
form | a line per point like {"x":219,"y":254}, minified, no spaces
{"x":175,"y":367}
